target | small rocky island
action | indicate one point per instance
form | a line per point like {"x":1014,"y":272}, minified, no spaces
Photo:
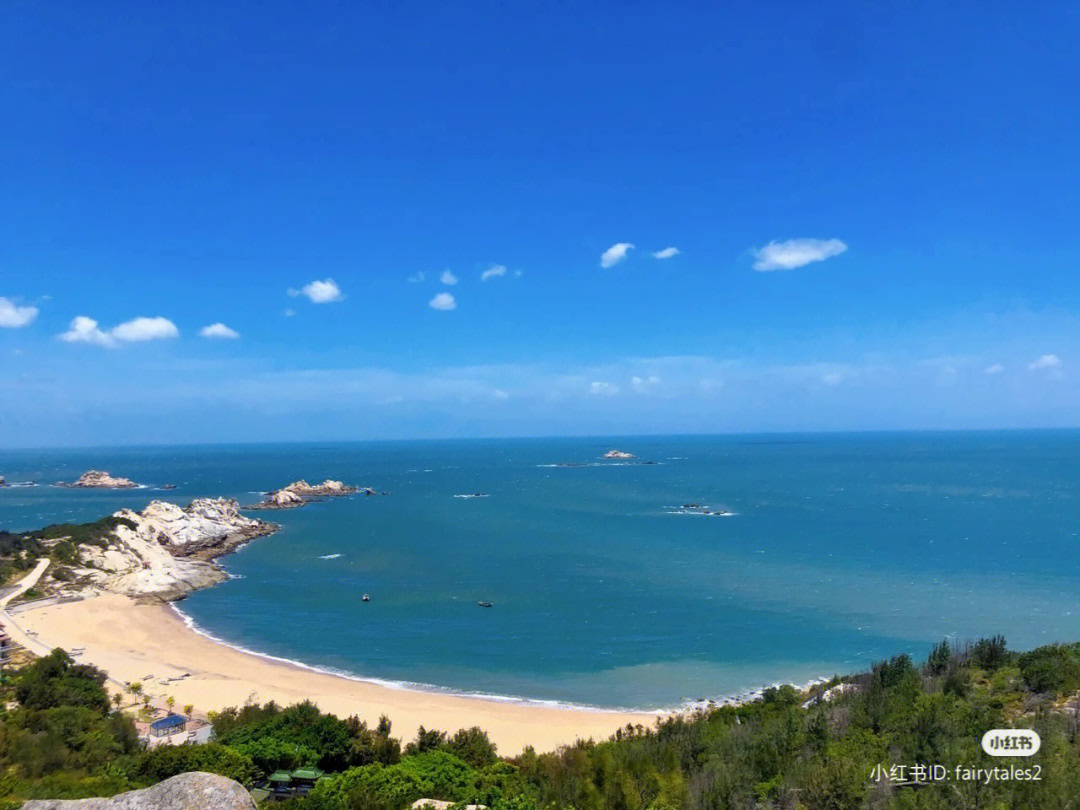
{"x":3,"y":483}
{"x":618,"y":454}
{"x":97,"y":479}
{"x":301,"y":492}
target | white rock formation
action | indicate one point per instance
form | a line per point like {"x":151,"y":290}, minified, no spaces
{"x":166,"y":551}
{"x":96,"y":479}
{"x":618,"y":454}
{"x":327,"y":487}
{"x":300,"y":492}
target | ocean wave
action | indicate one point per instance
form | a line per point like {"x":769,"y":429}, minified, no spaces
{"x":329,"y":556}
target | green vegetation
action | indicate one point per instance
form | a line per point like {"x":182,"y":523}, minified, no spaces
{"x":19,"y":551}
{"x":63,"y":741}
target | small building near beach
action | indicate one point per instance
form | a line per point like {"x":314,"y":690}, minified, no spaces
{"x":168,"y":725}
{"x":174,"y":729}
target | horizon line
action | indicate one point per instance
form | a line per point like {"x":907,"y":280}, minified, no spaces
{"x":553,"y":437}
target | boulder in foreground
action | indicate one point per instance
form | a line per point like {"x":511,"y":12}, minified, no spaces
{"x":188,"y":791}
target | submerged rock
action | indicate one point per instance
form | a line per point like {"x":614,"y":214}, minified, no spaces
{"x":188,"y":791}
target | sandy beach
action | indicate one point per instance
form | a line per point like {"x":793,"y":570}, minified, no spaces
{"x":130,"y":641}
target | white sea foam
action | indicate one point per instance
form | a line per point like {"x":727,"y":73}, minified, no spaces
{"x":409,"y":686}
{"x":735,"y":699}
{"x":329,"y":556}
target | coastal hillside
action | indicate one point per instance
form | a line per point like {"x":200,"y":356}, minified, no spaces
{"x":61,"y":738}
{"x":162,"y":552}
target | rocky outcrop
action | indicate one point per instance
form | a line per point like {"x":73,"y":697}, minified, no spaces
{"x":618,"y":454}
{"x":96,"y":479}
{"x":326,"y":488}
{"x":282,"y":499}
{"x":188,"y":791}
{"x":3,"y":483}
{"x":164,"y":552}
{"x":301,"y":492}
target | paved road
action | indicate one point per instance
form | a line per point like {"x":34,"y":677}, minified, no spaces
{"x":14,"y":630}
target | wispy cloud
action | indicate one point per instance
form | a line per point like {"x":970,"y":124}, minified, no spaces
{"x":495,"y":271}
{"x":416,"y":278}
{"x":444,"y":301}
{"x":13,"y":316}
{"x":448,"y":278}
{"x":996,"y":368}
{"x":1046,"y":361}
{"x":666,"y":253}
{"x":218,"y":331}
{"x":320,"y":292}
{"x":644,"y":384}
{"x":86,"y":330}
{"x":603,"y":388}
{"x":615,"y":254}
{"x":796,"y":253}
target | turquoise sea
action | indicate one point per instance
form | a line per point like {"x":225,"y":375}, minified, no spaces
{"x":842,"y":549}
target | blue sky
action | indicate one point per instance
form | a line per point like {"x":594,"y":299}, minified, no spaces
{"x":875,"y":209}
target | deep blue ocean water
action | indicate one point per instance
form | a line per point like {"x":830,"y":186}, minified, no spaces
{"x":843,"y":549}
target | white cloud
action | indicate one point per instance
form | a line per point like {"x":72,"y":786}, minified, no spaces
{"x":832,"y":378}
{"x":443,"y":301}
{"x":498,"y":393}
{"x":218,"y":330}
{"x":416,"y":278}
{"x":1046,"y":361}
{"x":86,"y":330}
{"x":796,"y":253}
{"x":494,"y":271}
{"x":448,"y":278}
{"x":320,"y":292}
{"x":289,"y":313}
{"x":615,"y":254}
{"x":642,"y":384}
{"x":666,"y":253}
{"x":603,"y":388}
{"x":142,"y":329}
{"x":13,"y":316}
{"x":996,"y":368}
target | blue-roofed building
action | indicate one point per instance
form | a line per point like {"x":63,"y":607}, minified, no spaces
{"x":168,"y":725}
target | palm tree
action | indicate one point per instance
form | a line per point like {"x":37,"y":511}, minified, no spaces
{"x":189,"y":709}
{"x":118,"y":699}
{"x":170,"y":701}
{"x":135,"y":687}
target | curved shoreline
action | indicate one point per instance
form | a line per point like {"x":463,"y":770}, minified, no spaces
{"x":744,"y":696}
{"x":130,"y":641}
{"x":415,"y":686}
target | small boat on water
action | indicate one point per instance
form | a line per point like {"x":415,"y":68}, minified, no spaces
{"x":365,"y":598}
{"x":484,"y":604}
